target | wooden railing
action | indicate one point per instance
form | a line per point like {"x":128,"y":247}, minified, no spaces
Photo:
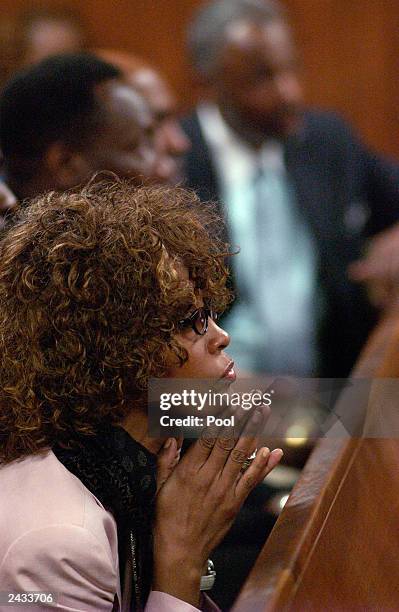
{"x":335,"y":545}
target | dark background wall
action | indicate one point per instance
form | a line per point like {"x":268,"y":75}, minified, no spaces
{"x":350,"y":51}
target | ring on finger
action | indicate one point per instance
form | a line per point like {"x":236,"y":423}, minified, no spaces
{"x":248,"y":462}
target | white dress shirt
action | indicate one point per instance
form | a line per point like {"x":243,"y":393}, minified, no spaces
{"x":274,"y":323}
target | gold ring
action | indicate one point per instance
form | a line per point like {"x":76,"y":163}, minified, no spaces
{"x":248,"y":462}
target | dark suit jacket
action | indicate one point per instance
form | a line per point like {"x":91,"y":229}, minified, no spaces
{"x":345,"y":193}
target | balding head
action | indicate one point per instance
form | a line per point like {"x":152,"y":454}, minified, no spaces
{"x":209,"y":29}
{"x":250,"y":63}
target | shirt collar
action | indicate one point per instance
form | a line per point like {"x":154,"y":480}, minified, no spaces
{"x":226,"y":144}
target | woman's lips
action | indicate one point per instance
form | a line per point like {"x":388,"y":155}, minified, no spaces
{"x":229,"y":373}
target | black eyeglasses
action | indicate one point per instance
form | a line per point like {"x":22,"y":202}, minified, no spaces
{"x":198,"y":320}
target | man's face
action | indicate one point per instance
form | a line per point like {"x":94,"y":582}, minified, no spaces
{"x":170,"y":139}
{"x":256,"y":83}
{"x":124,"y":143}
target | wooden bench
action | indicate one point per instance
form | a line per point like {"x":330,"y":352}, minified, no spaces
{"x":335,"y":545}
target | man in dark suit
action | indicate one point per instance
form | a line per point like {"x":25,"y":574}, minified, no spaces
{"x":334,"y":193}
{"x":302,"y":196}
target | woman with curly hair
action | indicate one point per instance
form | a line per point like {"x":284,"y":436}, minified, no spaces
{"x":100,"y":290}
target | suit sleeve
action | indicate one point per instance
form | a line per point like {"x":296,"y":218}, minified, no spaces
{"x":351,"y":171}
{"x":382,"y":183}
{"x":377,"y":174}
{"x":65,"y":560}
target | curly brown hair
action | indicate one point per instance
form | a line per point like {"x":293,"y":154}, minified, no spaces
{"x":90,"y":301}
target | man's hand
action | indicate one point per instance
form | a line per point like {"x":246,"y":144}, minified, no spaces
{"x":379,"y":269}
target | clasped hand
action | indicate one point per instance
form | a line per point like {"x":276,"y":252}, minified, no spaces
{"x":199,"y":501}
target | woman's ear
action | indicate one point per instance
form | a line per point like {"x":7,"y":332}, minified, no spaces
{"x":66,"y":166}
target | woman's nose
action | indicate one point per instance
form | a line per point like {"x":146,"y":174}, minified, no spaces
{"x":218,"y":338}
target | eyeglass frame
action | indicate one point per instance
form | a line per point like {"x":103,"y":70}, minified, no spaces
{"x":190,"y":320}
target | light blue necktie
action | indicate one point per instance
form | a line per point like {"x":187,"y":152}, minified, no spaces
{"x":273,"y":326}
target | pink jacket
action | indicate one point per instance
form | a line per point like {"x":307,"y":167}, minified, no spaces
{"x":56,"y":537}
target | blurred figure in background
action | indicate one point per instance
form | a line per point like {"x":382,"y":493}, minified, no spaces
{"x":8,"y":56}
{"x":171,"y":141}
{"x":46,"y":31}
{"x":8,"y":202}
{"x":37,"y":33}
{"x":86,"y":119}
{"x":34,"y":35}
{"x":301,"y":194}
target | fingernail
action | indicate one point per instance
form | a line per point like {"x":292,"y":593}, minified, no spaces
{"x":265,"y":452}
{"x":168,"y":443}
{"x":278,"y":451}
{"x":258,"y":415}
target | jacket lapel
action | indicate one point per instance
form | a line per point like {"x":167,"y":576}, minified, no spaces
{"x":199,"y":169}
